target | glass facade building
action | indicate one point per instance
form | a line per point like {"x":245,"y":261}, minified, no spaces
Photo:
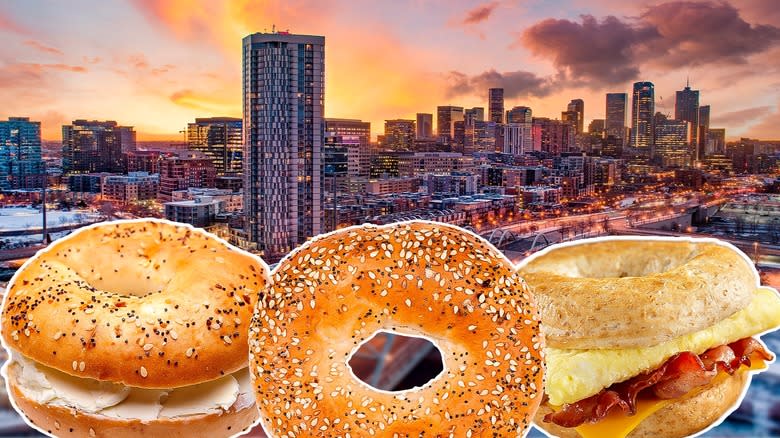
{"x":90,"y":146}
{"x":283,"y":93}
{"x":496,"y":105}
{"x":21,"y":166}
{"x":219,"y":138}
{"x":642,"y":112}
{"x":615,"y":122}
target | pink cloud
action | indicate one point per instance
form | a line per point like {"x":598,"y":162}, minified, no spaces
{"x":42,"y":47}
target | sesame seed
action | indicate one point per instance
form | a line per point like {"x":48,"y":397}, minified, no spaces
{"x":143,"y":372}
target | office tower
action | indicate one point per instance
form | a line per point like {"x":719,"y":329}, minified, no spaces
{"x":496,"y":105}
{"x":283,"y":89}
{"x":446,"y":116}
{"x":519,"y":114}
{"x":597,"y":126}
{"x":716,"y":141}
{"x":615,"y":123}
{"x":570,"y":117}
{"x":21,"y":166}
{"x":703,"y":129}
{"x":672,"y":140}
{"x":686,"y":107}
{"x":399,"y":135}
{"x":93,"y":146}
{"x":424,"y":126}
{"x":356,"y":135}
{"x":480,"y":136}
{"x":577,"y":106}
{"x":183,"y":171}
{"x":220,"y":139}
{"x":552,"y":136}
{"x":336,"y":175}
{"x":642,"y":112}
{"x":476,"y":114}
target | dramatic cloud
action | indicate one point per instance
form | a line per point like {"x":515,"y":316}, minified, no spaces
{"x":766,"y":128}
{"x":516,"y":84}
{"x":671,"y":35}
{"x":42,"y":47}
{"x":480,"y":13}
{"x":599,"y":52}
{"x":696,"y":33}
{"x":740,"y":117}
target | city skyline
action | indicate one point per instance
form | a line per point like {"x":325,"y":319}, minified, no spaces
{"x":163,"y":66}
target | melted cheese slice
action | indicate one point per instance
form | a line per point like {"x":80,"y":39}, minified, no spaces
{"x":573,"y":375}
{"x":619,"y":425}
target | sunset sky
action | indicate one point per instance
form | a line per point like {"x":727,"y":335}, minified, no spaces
{"x":157,"y":65}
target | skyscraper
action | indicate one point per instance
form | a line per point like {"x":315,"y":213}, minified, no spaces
{"x":519,"y":114}
{"x":92,"y":146}
{"x":356,"y":135}
{"x":424,"y":126}
{"x":220,"y":139}
{"x":476,"y":114}
{"x":283,"y":90}
{"x":703,"y":130}
{"x":21,"y":166}
{"x":496,"y":105}
{"x":577,"y":106}
{"x":518,"y":135}
{"x":615,"y":124}
{"x":446,"y":116}
{"x":672,"y":140}
{"x":642,"y":112}
{"x":399,"y":135}
{"x":686,"y":108}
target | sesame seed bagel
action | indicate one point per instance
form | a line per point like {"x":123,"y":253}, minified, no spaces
{"x":414,"y":278}
{"x":145,"y":303}
{"x":64,"y":421}
{"x":676,"y":286}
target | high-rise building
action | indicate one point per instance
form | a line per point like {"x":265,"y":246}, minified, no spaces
{"x":480,"y":136}
{"x":703,"y":129}
{"x":615,"y":123}
{"x":446,"y":116}
{"x":519,"y":114}
{"x":356,"y":136}
{"x":672,"y":140}
{"x":686,"y":108}
{"x":642,"y":112}
{"x":186,"y":170}
{"x":399,"y":135}
{"x":716,"y":141}
{"x":552,"y":136}
{"x":424,"y":126}
{"x":597,"y":126}
{"x":283,"y":90}
{"x":496,"y":105}
{"x":570,"y":117}
{"x":90,"y":146}
{"x":21,"y":166}
{"x":220,"y":139}
{"x":578,"y":106}
{"x":476,"y":114}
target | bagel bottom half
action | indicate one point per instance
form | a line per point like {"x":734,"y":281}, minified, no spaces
{"x":65,"y":421}
{"x":685,"y":416}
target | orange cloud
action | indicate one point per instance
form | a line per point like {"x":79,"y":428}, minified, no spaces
{"x":42,"y":47}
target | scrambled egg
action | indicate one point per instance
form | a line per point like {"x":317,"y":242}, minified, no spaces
{"x":573,"y":375}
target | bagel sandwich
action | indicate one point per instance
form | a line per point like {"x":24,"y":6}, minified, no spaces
{"x":133,"y":328}
{"x":647,"y":336}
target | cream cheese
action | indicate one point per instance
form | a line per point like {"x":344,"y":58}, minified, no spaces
{"x":49,"y":386}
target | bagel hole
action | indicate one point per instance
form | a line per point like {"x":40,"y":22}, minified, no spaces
{"x":392,"y":362}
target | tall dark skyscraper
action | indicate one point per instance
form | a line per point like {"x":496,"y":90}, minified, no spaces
{"x":686,"y":108}
{"x":471,"y":115}
{"x":21,"y":166}
{"x":615,"y":123}
{"x":496,"y":105}
{"x":93,"y":146}
{"x":577,"y":106}
{"x":642,"y":112}
{"x":399,"y":134}
{"x":424,"y":126}
{"x":704,"y":130}
{"x":283,"y":90}
{"x":446,"y":116}
{"x":219,"y":138}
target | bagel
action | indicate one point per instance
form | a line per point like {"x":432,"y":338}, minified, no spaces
{"x":640,"y":330}
{"x":414,"y":278}
{"x":678,"y":287}
{"x":138,"y":314}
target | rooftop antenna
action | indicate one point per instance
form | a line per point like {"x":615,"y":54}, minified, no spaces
{"x":687,"y":81}
{"x":273,"y":28}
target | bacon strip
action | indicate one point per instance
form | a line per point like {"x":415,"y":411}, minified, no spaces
{"x":674,"y":378}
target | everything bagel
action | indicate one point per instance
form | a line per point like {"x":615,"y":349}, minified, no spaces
{"x":415,"y":278}
{"x":127,"y":311}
